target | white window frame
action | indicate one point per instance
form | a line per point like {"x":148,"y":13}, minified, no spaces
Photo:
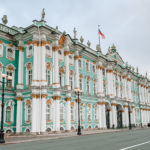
{"x":88,"y":92}
{"x":48,"y":52}
{"x":71,"y":87}
{"x":87,"y":66}
{"x":81,"y":83}
{"x":89,"y":113}
{"x":26,"y":111}
{"x":29,"y":53}
{"x":13,"y":53}
{"x":72,"y":113}
{"x":48,"y":77}
{"x":10,"y":103}
{"x":80,"y":67}
{"x":82,"y":113}
{"x":48,"y":112}
{"x":1,"y":50}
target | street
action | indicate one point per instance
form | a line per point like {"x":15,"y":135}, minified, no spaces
{"x":132,"y":140}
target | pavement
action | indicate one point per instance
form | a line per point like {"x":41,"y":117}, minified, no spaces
{"x":115,"y":139}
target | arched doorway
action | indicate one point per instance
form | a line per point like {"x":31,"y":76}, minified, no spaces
{"x":107,"y":110}
{"x":119,"y":116}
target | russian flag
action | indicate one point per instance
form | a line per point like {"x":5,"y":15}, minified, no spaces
{"x":99,"y":32}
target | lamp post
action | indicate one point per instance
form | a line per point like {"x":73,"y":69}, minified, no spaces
{"x":77,"y":91}
{"x":2,"y":140}
{"x":130,"y":127}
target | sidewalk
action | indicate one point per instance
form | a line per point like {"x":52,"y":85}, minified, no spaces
{"x":29,"y":138}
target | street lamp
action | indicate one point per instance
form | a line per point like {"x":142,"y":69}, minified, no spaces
{"x":130,"y":127}
{"x":78,"y":91}
{"x":2,"y":140}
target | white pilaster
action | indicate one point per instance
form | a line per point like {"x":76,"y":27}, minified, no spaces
{"x":68,"y":112}
{"x":100,"y":86}
{"x":43,"y":113}
{"x":19,"y":115}
{"x":114,"y":115}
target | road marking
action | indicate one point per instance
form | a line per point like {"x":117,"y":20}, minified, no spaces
{"x":135,"y":145}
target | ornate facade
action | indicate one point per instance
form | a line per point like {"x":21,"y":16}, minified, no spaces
{"x":47,"y":66}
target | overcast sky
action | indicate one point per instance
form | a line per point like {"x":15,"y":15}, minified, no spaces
{"x":126,"y":23}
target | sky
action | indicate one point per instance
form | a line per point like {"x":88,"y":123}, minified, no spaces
{"x":125,"y":23}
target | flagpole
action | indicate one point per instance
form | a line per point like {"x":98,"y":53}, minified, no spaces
{"x":99,"y":36}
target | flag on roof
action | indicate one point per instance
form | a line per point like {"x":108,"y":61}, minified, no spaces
{"x":99,"y":32}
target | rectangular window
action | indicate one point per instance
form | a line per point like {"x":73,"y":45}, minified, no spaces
{"x":88,"y":87}
{"x":48,"y":76}
{"x":29,"y":77}
{"x":9,"y":82}
{"x":80,"y":82}
{"x":94,"y":88}
{"x":71,"y":82}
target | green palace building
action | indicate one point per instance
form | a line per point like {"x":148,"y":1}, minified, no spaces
{"x":47,"y":66}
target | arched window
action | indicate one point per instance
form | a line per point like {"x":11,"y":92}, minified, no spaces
{"x":96,"y":112}
{"x":72,"y":111}
{"x":8,"y":114}
{"x":82,"y":112}
{"x":89,"y":115}
{"x":28,"y":113}
{"x":61,"y":112}
{"x":48,"y":110}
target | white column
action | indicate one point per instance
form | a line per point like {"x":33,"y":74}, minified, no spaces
{"x":104,"y":115}
{"x":126,"y":115}
{"x":68,"y":113}
{"x":114,"y":115}
{"x":34,"y":113}
{"x":119,"y":95}
{"x":43,"y":65}
{"x":100,"y":115}
{"x":66,"y":54}
{"x":57,"y":112}
{"x":110,"y":82}
{"x":20,"y":67}
{"x":19,"y":115}
{"x":43,"y":113}
{"x":123,"y":118}
{"x":76,"y":70}
{"x":56,"y":68}
{"x":100,"y":86}
{"x":35,"y":65}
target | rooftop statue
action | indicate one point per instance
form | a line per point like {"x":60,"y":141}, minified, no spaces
{"x":4,"y":19}
{"x":43,"y":14}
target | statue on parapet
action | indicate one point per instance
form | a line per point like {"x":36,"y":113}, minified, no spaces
{"x":4,"y":19}
{"x":43,"y":14}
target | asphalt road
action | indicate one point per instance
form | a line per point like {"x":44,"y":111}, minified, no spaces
{"x":127,"y":140}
